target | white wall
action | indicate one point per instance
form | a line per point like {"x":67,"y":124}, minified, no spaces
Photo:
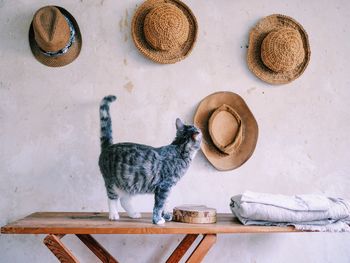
{"x":50,"y":124}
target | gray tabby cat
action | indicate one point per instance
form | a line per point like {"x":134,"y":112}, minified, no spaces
{"x":130,"y":168}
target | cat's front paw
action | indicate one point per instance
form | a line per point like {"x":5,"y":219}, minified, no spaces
{"x":161,"y":221}
{"x":113,"y":216}
{"x":134,"y":215}
{"x":158,"y":221}
{"x":167,"y":216}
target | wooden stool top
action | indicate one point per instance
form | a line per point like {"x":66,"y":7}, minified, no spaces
{"x":98,"y":223}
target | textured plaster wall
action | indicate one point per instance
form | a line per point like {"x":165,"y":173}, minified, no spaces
{"x":50,"y":125}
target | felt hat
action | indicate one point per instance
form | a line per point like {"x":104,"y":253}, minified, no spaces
{"x":278,"y":50}
{"x":165,"y":31}
{"x":54,"y":36}
{"x":229,"y":129}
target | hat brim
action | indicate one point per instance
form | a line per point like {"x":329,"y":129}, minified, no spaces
{"x":219,"y":160}
{"x":64,"y":59}
{"x":256,"y":37}
{"x":163,"y":57}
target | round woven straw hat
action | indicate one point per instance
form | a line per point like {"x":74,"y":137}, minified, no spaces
{"x":54,"y":36}
{"x":279,"y":49}
{"x":229,"y":129}
{"x":165,"y":31}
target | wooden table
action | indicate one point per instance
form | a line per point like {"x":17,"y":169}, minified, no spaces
{"x":58,"y":224}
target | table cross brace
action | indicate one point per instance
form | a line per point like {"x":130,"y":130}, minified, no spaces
{"x":64,"y":255}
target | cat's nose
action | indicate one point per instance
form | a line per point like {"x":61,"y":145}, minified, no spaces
{"x":199,"y":136}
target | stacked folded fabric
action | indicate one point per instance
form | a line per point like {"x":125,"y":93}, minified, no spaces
{"x":305,"y":212}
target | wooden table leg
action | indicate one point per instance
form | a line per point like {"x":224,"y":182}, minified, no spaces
{"x":56,"y":246}
{"x":64,"y":255}
{"x":182,"y":248}
{"x":202,"y":249}
{"x":97,"y":248}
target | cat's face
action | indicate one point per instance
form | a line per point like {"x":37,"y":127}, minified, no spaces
{"x":189,"y":133}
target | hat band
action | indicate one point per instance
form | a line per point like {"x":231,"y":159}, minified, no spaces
{"x":68,"y":45}
{"x":237,"y":141}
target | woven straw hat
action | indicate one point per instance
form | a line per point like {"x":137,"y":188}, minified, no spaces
{"x":165,"y":31}
{"x":54,"y":36}
{"x":279,"y":50}
{"x":229,"y":129}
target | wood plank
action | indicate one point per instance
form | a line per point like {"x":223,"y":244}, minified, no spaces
{"x":182,"y":248}
{"x":62,"y":253}
{"x":98,"y":223}
{"x":97,"y":249}
{"x":202,"y":249}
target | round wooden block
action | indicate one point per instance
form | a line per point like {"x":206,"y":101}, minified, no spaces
{"x":194,"y":214}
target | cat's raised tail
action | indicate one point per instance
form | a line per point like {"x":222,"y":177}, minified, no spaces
{"x":106,"y":122}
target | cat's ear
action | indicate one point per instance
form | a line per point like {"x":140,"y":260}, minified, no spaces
{"x":179,"y":124}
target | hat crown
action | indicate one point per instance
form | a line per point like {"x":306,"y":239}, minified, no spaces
{"x":225,"y":129}
{"x":166,"y":27}
{"x":282,"y":50}
{"x":51,"y":29}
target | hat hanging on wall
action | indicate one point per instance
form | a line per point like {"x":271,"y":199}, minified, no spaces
{"x":230,"y":131}
{"x":279,"y":49}
{"x":54,"y":36}
{"x":165,"y":31}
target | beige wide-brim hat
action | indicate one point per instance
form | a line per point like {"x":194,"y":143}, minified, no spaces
{"x":278,"y":50}
{"x":229,"y":129}
{"x":165,"y":31}
{"x":61,"y":37}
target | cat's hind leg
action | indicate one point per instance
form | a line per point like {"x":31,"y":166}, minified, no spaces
{"x":112,"y":203}
{"x":113,"y":211}
{"x":125,"y":202}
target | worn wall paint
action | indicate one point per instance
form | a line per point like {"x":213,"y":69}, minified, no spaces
{"x":50,"y":126}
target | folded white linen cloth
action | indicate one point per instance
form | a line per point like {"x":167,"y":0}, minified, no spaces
{"x":305,"y":212}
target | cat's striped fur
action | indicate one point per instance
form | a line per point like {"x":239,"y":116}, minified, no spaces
{"x":130,"y":168}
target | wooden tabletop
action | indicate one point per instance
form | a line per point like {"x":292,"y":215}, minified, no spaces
{"x":98,"y":223}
